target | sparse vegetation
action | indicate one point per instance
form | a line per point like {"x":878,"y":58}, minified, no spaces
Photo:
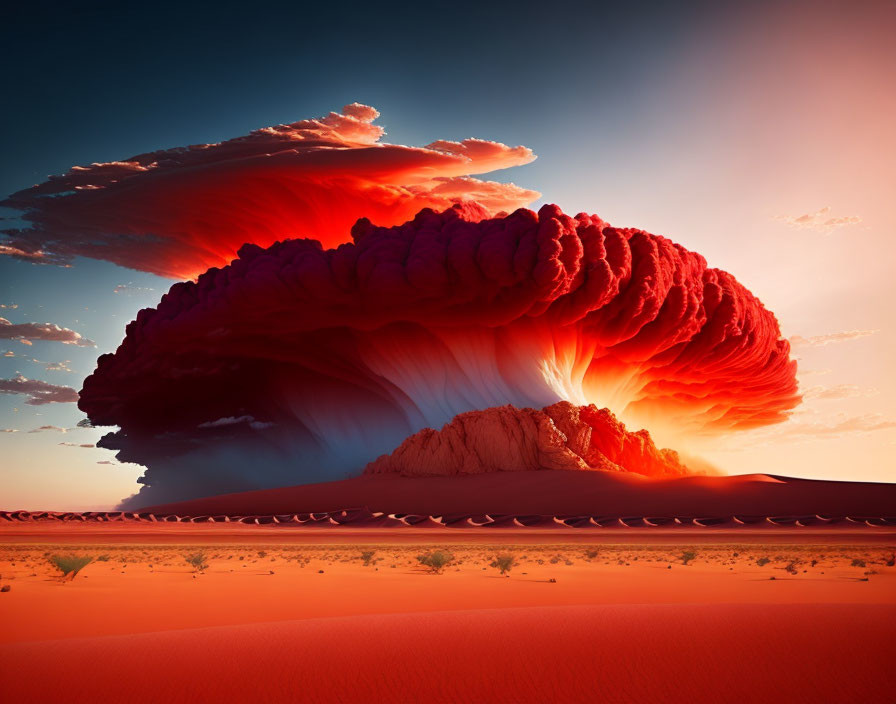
{"x":831,"y":563}
{"x":197,"y":560}
{"x":503,"y":563}
{"x":436,"y":560}
{"x":70,"y":564}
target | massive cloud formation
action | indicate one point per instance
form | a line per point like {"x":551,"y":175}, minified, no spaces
{"x":319,"y":360}
{"x":177,"y":212}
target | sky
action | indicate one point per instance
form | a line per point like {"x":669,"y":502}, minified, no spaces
{"x":758,"y":134}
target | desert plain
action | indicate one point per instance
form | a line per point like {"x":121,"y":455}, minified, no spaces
{"x":352,"y":615}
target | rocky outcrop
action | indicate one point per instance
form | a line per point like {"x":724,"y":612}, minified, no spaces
{"x":508,"y":439}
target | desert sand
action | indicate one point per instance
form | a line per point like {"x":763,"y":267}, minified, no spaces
{"x":303,"y":620}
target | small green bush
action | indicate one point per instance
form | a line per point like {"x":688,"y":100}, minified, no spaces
{"x":858,"y":563}
{"x":435,"y":560}
{"x":198,"y":560}
{"x":70,"y":564}
{"x":762,"y":561}
{"x":102,"y":558}
{"x":687,"y":556}
{"x":503,"y":563}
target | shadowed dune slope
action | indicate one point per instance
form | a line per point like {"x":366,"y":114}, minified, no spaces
{"x":560,"y":493}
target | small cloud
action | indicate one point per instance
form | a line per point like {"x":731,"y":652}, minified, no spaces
{"x":49,"y":366}
{"x":229,"y":420}
{"x":868,"y":423}
{"x":45,"y":428}
{"x":234,"y":420}
{"x":9,"y":305}
{"x":106,"y":462}
{"x":8,"y":430}
{"x":26,"y":342}
{"x":28,"y":253}
{"x":26,"y":332}
{"x":127,"y":288}
{"x":75,"y":444}
{"x":812,"y":372}
{"x":830,"y":339}
{"x":840,"y":391}
{"x":819,"y":221}
{"x":38,"y":392}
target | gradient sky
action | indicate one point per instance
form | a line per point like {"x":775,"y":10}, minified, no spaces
{"x":719,"y":125}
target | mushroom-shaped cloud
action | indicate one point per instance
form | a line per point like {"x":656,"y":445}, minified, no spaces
{"x":298,"y":363}
{"x":177,"y":212}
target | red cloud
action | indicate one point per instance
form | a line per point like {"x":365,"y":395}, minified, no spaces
{"x":345,"y":352}
{"x":180,"y":211}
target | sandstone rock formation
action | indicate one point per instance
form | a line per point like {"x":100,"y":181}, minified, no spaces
{"x":507,"y":439}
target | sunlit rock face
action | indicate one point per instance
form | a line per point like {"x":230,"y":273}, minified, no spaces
{"x":508,"y":439}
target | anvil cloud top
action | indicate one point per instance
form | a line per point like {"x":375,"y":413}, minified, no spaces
{"x":176,"y":212}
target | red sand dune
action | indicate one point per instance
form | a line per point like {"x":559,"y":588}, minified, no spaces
{"x":560,"y":493}
{"x":609,"y":653}
{"x":510,"y":439}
